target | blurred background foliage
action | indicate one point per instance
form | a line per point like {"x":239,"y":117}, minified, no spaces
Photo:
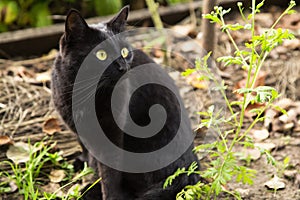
{"x":18,"y":14}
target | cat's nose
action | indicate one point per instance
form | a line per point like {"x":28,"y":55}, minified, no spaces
{"x":123,"y":67}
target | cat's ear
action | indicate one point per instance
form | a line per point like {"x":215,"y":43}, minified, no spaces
{"x":117,"y":24}
{"x":75,"y":25}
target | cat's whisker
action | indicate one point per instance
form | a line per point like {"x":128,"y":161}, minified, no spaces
{"x":81,"y":92}
{"x":82,"y":100}
{"x":80,"y":82}
{"x":83,"y":89}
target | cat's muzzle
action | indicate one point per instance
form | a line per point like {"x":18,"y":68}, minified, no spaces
{"x":124,"y":67}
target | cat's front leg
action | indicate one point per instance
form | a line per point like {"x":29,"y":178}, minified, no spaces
{"x":111,"y":184}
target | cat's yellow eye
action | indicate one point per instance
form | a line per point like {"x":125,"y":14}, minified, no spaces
{"x":101,"y":55}
{"x":124,"y":52}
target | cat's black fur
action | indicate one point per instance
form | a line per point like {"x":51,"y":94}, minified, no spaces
{"x":78,"y":40}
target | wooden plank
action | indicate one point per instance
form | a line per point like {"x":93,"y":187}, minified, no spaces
{"x":37,"y":41}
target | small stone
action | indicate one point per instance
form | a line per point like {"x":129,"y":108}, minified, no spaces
{"x":260,"y":135}
{"x":288,"y":126}
{"x":290,"y":174}
{"x":267,"y":146}
{"x":275,"y":183}
{"x":254,"y":154}
{"x":57,"y":175}
{"x":243,"y":192}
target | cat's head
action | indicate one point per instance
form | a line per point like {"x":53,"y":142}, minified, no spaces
{"x":80,"y":39}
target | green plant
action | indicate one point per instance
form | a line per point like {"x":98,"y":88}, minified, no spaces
{"x":106,"y":7}
{"x":224,"y":166}
{"x":282,"y":166}
{"x":17,"y":14}
{"x":153,"y":9}
{"x":27,"y":176}
{"x":73,"y":193}
{"x":171,"y":2}
{"x":23,"y":13}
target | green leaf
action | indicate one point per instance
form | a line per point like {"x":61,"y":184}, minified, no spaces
{"x":290,"y":12}
{"x":278,"y":108}
{"x":107,"y":7}
{"x":233,"y":103}
{"x":286,"y":161}
{"x":212,"y":17}
{"x":188,"y":72}
{"x":221,"y":148}
{"x":12,"y":11}
{"x":229,"y":60}
{"x":205,"y":146}
{"x":40,"y":15}
{"x":259,"y":5}
{"x":233,"y":27}
{"x":250,"y":16}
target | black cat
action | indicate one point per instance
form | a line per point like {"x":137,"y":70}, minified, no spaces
{"x":79,"y":41}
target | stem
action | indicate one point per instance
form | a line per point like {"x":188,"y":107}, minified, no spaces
{"x":219,"y":85}
{"x":255,"y":121}
{"x":284,"y":13}
{"x":223,"y":138}
{"x":242,"y":115}
{"x":153,"y":9}
{"x":241,"y":12}
{"x":258,"y":69}
{"x":267,"y":53}
{"x":235,"y":46}
{"x":253,"y":47}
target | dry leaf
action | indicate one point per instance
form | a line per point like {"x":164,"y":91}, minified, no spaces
{"x":21,"y":71}
{"x":157,"y":53}
{"x":4,"y":139}
{"x":248,"y":112}
{"x":183,"y":30}
{"x":19,"y":152}
{"x":51,"y":126}
{"x":56,"y":176}
{"x":275,"y":183}
{"x":53,"y":187}
{"x":260,"y":135}
{"x":43,"y":77}
{"x":260,"y":81}
{"x":13,"y":186}
{"x":193,"y":80}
